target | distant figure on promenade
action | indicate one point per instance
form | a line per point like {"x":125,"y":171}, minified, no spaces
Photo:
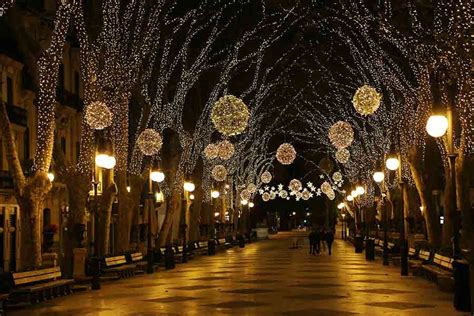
{"x":317,"y":242}
{"x":329,"y":239}
{"x":322,"y":237}
{"x":312,"y":242}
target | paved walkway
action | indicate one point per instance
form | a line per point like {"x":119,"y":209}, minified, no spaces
{"x":265,"y":278}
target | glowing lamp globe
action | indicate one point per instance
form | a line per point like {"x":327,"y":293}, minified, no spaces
{"x":378,"y":176}
{"x":51,"y":176}
{"x":191,"y":197}
{"x":101,"y":160}
{"x":437,"y":125}
{"x":350,"y":198}
{"x":244,"y":202}
{"x":189,"y":186}
{"x":360,"y":190}
{"x":392,"y":164}
{"x":157,"y":176}
{"x":215,"y":194}
{"x":354,"y":193}
{"x":340,"y":206}
{"x":111,"y":162}
{"x":251,"y":204}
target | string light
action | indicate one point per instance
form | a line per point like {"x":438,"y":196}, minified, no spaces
{"x":149,"y":142}
{"x":219,"y":173}
{"x":366,"y":100}
{"x":286,"y":154}
{"x":230,"y":115}
{"x":98,"y":115}
{"x":341,"y":134}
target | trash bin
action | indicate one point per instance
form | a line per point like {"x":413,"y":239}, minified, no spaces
{"x":241,"y":241}
{"x":359,"y":244}
{"x":462,"y":295}
{"x":369,"y":249}
{"x":211,"y":247}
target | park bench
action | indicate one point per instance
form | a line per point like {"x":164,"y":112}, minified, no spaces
{"x":179,"y":253}
{"x":202,"y":247}
{"x":138,"y":260}
{"x":221,"y":244}
{"x":415,"y":262}
{"x":440,"y":270}
{"x":38,"y":285}
{"x":118,"y":266}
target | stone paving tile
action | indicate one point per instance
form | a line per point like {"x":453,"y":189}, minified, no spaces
{"x":249,"y":291}
{"x":236,"y":304}
{"x":172,"y":299}
{"x":318,"y":312}
{"x":400,"y":305}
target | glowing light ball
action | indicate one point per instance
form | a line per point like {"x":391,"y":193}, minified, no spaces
{"x":331,"y":195}
{"x":245,"y":194}
{"x":305,"y":195}
{"x":366,"y":100}
{"x":266,"y":197}
{"x":341,"y":134}
{"x":326,"y":187}
{"x":272,"y":195}
{"x":283,"y":194}
{"x":343,"y":155}
{"x":211,"y":151}
{"x":379,"y":176}
{"x":219,"y":173}
{"x":437,"y":125}
{"x":189,"y":186}
{"x":252,"y":188}
{"x":286,"y":154}
{"x":295,"y":185}
{"x":337,"y":176}
{"x":149,"y":142}
{"x":215,"y":194}
{"x":298,"y":195}
{"x":392,"y":164}
{"x":230,"y":115}
{"x":157,"y":176}
{"x":225,"y":150}
{"x":98,"y":116}
{"x":266,"y":177}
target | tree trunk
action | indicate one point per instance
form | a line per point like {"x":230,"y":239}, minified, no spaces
{"x":423,"y":188}
{"x":105,"y":211}
{"x":449,"y":213}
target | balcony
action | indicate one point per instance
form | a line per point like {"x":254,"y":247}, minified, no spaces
{"x":17,"y":115}
{"x":69,"y":99}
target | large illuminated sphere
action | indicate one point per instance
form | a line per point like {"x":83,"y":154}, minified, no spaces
{"x":366,"y":100}
{"x":283,"y":194}
{"x":230,"y":115}
{"x":437,"y":125}
{"x":157,"y":176}
{"x":343,"y":155}
{"x":149,"y":142}
{"x":211,"y":151}
{"x":326,"y":187}
{"x":219,"y":173}
{"x":189,"y":186}
{"x":341,"y":134}
{"x":245,"y":194}
{"x":378,"y":176}
{"x":225,"y":149}
{"x":337,"y":176}
{"x":98,"y":116}
{"x":392,"y":164}
{"x":266,"y":177}
{"x":252,"y":188}
{"x":286,"y":154}
{"x":266,"y":197}
{"x":295,"y":185}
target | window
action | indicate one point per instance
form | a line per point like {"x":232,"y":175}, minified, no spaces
{"x":9,"y":91}
{"x":46,"y":217}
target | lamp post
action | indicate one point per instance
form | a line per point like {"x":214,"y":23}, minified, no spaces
{"x":379,"y":177}
{"x":105,"y":161}
{"x":154,"y":176}
{"x":394,"y":163}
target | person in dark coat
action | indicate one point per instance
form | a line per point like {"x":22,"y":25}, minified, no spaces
{"x":322,"y":238}
{"x":316,"y":242}
{"x":329,"y":237}
{"x":311,"y":242}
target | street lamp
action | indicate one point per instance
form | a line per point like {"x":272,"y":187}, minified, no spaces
{"x":350,"y":198}
{"x":437,"y":125}
{"x":154,"y":176}
{"x":244,"y":202}
{"x":215,"y":194}
{"x":189,"y":186}
{"x":51,"y":176}
{"x":251,"y":204}
{"x":379,"y":177}
{"x":393,"y":164}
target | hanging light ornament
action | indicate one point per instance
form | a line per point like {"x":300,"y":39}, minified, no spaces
{"x":252,"y":188}
{"x":266,"y":197}
{"x":331,"y":194}
{"x":343,"y":155}
{"x":283,"y":194}
{"x":295,"y":185}
{"x":305,"y":195}
{"x":326,"y":187}
{"x":219,"y":173}
{"x":211,"y":151}
{"x":245,"y":194}
{"x":230,"y":115}
{"x":226,"y":149}
{"x":272,"y":195}
{"x":266,"y":177}
{"x":366,"y":100}
{"x":341,"y":134}
{"x":337,"y":176}
{"x":149,"y":142}
{"x":286,"y":154}
{"x":98,"y":116}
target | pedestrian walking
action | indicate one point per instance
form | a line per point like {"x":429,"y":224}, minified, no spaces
{"x":329,"y":239}
{"x":317,"y":242}
{"x":322,"y":237}
{"x":311,"y":242}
